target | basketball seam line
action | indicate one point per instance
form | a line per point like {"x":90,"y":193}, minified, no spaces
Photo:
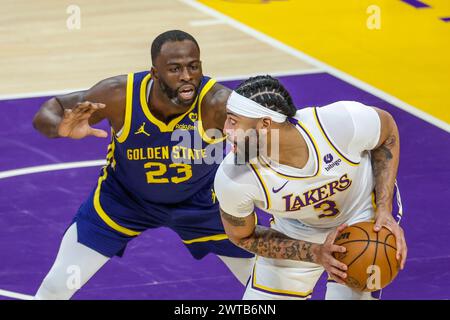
{"x":351,"y":241}
{"x":387,"y":257}
{"x":374,"y":258}
{"x":368,"y":243}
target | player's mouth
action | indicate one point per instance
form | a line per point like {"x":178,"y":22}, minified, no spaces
{"x":234,"y":147}
{"x":187,"y":92}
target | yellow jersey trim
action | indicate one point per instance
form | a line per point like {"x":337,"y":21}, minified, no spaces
{"x":128,"y":109}
{"x":110,"y":155}
{"x":374,"y":203}
{"x":201,"y":130}
{"x":263,"y":184}
{"x":316,"y":116}
{"x":98,"y":207}
{"x":318,"y":159}
{"x":216,"y":237}
{"x":163,"y":127}
{"x":306,"y":294}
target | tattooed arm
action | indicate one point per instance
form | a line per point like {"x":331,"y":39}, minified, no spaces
{"x":270,"y":243}
{"x":385,"y":160}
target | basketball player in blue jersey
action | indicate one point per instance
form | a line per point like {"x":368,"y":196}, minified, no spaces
{"x":151,"y":178}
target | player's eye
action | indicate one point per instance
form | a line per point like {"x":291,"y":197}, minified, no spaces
{"x":194,"y":67}
{"x":174,"y":69}
{"x":232,"y":121}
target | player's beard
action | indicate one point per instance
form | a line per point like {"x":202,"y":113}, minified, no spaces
{"x":247,"y":150}
{"x":173,"y":94}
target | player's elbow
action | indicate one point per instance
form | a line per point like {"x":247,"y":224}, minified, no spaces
{"x":238,"y":229}
{"x":47,"y":118}
{"x":39,"y":121}
{"x":235,"y":237}
{"x":242,"y":240}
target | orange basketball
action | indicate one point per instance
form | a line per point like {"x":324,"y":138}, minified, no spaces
{"x":370,"y":256}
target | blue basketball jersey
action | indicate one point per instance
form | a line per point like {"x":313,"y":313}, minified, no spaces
{"x":161,"y":162}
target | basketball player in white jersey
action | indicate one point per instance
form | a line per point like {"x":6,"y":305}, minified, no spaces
{"x":330,"y":163}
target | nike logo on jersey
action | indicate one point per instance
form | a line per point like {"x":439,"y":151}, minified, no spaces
{"x":279,"y":189}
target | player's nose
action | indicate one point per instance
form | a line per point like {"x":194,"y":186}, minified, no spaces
{"x":185,"y":75}
{"x":229,"y":131}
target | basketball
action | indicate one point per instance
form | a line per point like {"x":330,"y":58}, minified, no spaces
{"x":370,"y":256}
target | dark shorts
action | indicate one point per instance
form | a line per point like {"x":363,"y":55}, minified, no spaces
{"x":110,"y":218}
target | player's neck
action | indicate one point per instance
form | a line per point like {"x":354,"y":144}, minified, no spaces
{"x":162,"y":107}
{"x":293,"y":150}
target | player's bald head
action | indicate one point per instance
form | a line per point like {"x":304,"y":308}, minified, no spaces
{"x":170,"y":36}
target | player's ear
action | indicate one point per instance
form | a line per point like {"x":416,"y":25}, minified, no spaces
{"x":265,"y":123}
{"x":154,"y":73}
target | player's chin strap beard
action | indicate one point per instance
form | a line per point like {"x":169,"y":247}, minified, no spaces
{"x":171,"y":94}
{"x":249,"y":152}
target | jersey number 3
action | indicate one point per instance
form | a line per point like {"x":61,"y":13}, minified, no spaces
{"x":328,"y":208}
{"x":158,"y":170}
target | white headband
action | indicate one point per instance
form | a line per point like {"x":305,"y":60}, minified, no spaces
{"x":248,"y":108}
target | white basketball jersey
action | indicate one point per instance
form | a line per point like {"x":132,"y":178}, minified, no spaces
{"x":337,"y":189}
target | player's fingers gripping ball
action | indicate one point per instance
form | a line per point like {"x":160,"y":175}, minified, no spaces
{"x":370,"y":256}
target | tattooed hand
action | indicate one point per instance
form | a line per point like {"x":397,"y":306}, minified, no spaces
{"x":334,"y":268}
{"x":385,"y":219}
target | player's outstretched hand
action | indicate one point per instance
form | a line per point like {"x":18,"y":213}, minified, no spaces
{"x":335,"y":269}
{"x":385,"y":219}
{"x":75,"y":122}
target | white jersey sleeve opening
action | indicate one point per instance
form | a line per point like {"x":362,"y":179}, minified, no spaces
{"x":351,"y":126}
{"x":236,"y":189}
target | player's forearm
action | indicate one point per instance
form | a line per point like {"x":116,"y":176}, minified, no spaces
{"x":385,"y":160}
{"x":270,"y":243}
{"x":48,"y":118}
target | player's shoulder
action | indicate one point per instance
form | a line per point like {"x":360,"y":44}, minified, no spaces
{"x":342,"y":106}
{"x":214,"y":106}
{"x":232,"y":170}
{"x":111,"y":91}
{"x":342,"y":111}
{"x":115,"y":83}
{"x":229,"y":175}
{"x":305,"y":115}
{"x":216,"y":97}
{"x":342,"y":103}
